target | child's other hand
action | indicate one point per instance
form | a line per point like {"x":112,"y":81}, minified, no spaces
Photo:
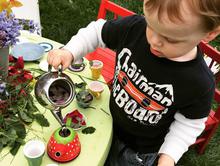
{"x":165,"y":160}
{"x":58,"y":57}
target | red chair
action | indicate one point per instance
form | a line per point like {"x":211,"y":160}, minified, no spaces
{"x":214,"y":117}
{"x":108,"y":58}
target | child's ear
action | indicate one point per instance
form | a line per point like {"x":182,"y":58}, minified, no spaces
{"x":212,"y":35}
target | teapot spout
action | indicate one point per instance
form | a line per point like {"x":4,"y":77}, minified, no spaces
{"x":58,"y":115}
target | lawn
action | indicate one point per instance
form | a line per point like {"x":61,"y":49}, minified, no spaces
{"x":61,"y":19}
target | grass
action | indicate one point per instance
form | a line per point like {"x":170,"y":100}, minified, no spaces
{"x":61,"y":19}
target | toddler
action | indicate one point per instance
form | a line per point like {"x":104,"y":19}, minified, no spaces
{"x":162,"y":87}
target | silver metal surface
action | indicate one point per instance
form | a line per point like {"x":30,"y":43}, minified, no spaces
{"x":42,"y":88}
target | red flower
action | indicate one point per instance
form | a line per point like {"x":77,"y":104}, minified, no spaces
{"x":22,"y":92}
{"x":27,"y":75}
{"x":76,"y":117}
{"x":11,"y":59}
{"x":17,"y":71}
{"x":20,"y":63}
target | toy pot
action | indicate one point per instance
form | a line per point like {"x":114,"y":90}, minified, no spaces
{"x":64,"y":146}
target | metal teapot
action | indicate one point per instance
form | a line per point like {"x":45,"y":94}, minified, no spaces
{"x":54,"y":91}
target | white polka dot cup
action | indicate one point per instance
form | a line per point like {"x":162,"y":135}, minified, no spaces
{"x":34,"y":151}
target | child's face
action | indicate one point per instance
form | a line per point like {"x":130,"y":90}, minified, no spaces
{"x":173,"y":40}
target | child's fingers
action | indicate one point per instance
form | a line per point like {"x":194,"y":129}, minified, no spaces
{"x":59,"y":57}
{"x":54,"y":58}
{"x":66,"y":59}
{"x":56,"y":62}
{"x":50,"y":56}
{"x":65,"y":64}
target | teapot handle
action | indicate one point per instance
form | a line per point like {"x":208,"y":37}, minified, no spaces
{"x":60,"y":69}
{"x":49,"y":68}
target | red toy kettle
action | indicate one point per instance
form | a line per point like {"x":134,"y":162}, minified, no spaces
{"x":64,"y":145}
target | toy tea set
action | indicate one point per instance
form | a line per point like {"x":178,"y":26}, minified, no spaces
{"x":64,"y":144}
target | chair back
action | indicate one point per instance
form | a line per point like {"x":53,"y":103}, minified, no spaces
{"x":212,"y":57}
{"x":108,"y":6}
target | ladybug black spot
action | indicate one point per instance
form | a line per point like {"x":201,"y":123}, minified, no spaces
{"x":57,"y":154}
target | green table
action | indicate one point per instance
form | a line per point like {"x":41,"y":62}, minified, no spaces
{"x":95,"y":146}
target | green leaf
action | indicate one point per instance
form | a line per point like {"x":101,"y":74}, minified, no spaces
{"x":41,"y":120}
{"x":30,"y":105}
{"x":88,"y":130}
{"x":11,"y":143}
{"x":18,"y":87}
{"x":20,"y":140}
{"x":4,"y":140}
{"x":11,"y":119}
{"x":1,"y":119}
{"x":11,"y":134}
{"x":15,"y":148}
{"x":8,"y":137}
{"x":20,"y":129}
{"x":1,"y":147}
{"x":13,"y":110}
{"x":22,"y":102}
{"x":81,"y":85}
{"x":24,"y":116}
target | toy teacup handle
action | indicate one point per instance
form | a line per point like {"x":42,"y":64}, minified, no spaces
{"x":97,"y":95}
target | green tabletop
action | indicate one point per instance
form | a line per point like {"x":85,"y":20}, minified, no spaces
{"x":95,"y":146}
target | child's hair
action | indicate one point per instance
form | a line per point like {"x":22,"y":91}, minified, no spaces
{"x":208,"y":10}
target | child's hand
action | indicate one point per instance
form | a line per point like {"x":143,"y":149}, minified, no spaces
{"x":59,"y":57}
{"x":165,"y":160}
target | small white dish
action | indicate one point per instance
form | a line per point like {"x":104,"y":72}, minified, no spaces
{"x":43,"y":65}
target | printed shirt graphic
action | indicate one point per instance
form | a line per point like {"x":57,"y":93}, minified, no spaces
{"x":143,"y":102}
